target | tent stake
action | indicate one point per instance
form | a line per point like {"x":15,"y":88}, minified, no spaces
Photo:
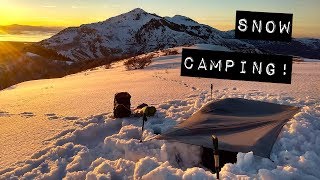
{"x":211,"y":91}
{"x":216,"y":154}
{"x":144,"y":118}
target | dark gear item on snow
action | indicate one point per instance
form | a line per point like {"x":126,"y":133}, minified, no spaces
{"x":144,"y":118}
{"x":147,"y":110}
{"x":216,"y":155}
{"x":122,"y":105}
{"x":142,"y":106}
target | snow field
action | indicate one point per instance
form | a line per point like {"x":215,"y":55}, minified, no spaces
{"x":105,"y":148}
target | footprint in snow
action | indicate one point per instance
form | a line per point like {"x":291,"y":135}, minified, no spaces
{"x":4,"y":114}
{"x":192,"y":96}
{"x":27,"y":114}
{"x":52,"y":116}
{"x":71,"y":118}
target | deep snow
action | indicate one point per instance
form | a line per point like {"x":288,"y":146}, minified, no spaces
{"x":73,"y":136}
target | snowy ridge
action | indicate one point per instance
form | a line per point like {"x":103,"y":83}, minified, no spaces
{"x":182,"y":20}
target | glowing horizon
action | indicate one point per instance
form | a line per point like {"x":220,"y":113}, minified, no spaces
{"x":215,"y":13}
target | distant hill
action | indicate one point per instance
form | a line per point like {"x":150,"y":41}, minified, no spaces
{"x":304,"y":47}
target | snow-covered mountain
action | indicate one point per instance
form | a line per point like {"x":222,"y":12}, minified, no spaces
{"x":139,"y":32}
{"x":135,"y":32}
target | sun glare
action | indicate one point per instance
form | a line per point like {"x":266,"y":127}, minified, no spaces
{"x":8,"y":51}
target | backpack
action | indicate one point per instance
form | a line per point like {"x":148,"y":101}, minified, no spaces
{"x":121,"y":105}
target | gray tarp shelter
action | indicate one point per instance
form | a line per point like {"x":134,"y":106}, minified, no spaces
{"x":241,"y":125}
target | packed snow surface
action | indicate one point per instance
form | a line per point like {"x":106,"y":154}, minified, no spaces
{"x":62,"y":128}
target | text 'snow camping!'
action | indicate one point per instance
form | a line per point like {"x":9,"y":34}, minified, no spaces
{"x":236,"y":66}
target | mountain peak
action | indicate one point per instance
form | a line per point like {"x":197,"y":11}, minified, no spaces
{"x":137,"y":11}
{"x":179,"y":19}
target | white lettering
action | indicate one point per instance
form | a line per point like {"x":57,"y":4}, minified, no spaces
{"x":229,"y":63}
{"x":213,"y":64}
{"x":242,"y":64}
{"x":284,"y":27}
{"x":243,"y":25}
{"x":202,"y":65}
{"x":185,"y":62}
{"x":268,"y":27}
{"x":255,"y":25}
{"x":255,"y":66}
{"x":271,"y":71}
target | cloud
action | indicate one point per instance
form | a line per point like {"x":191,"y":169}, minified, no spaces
{"x":17,"y":29}
{"x":111,"y":6}
{"x":77,"y":7}
{"x":48,"y":6}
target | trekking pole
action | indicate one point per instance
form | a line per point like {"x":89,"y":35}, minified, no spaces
{"x":211,"y":91}
{"x":216,"y":154}
{"x":144,"y":118}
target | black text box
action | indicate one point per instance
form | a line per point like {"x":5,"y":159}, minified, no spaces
{"x":263,"y":26}
{"x":236,"y":66}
